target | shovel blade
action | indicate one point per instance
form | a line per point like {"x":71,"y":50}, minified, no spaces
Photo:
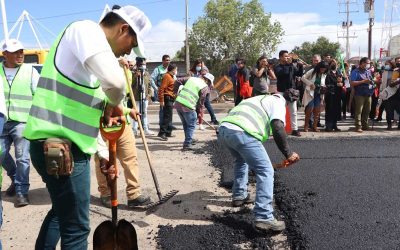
{"x":126,"y":236}
{"x":103,"y":236}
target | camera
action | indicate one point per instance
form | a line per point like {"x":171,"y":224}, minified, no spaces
{"x":139,"y":63}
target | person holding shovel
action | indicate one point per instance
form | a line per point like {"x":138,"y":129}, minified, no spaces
{"x":242,"y":132}
{"x":80,"y":76}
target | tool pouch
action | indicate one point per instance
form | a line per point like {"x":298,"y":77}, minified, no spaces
{"x":58,"y":157}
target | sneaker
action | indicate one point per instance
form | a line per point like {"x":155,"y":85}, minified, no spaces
{"x":337,"y":129}
{"x":149,"y":132}
{"x":194,"y":141}
{"x":22,"y":200}
{"x":187,"y":147}
{"x":171,"y":135}
{"x":106,"y":201}
{"x":201,"y":127}
{"x":11,"y":190}
{"x":141,"y":200}
{"x":215,"y":122}
{"x":359,"y":130}
{"x":239,"y":203}
{"x":163,"y":137}
{"x":274,"y":225}
{"x":296,"y":133}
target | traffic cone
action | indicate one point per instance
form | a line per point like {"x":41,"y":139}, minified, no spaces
{"x":288,"y":126}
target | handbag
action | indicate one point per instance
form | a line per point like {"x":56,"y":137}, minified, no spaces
{"x":293,"y":94}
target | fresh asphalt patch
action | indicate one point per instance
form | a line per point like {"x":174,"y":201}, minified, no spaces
{"x":343,"y":194}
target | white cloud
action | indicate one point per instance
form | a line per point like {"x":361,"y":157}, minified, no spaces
{"x":302,"y":27}
{"x":164,"y":38}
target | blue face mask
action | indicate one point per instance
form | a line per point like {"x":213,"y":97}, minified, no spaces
{"x":198,"y":68}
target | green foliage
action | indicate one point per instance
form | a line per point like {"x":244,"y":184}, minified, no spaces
{"x":230,"y":29}
{"x":322,"y":46}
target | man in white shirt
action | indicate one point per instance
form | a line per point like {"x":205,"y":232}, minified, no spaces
{"x":81,"y":67}
{"x":19,"y":83}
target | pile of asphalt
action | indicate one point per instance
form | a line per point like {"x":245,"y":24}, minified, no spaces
{"x":343,"y":194}
{"x":228,"y":231}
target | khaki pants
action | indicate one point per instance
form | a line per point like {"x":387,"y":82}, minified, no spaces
{"x":362,"y":109}
{"x":127,"y":156}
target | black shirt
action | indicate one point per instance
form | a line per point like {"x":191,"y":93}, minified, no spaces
{"x":285,"y":75}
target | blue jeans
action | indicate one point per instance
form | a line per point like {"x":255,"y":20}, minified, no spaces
{"x":145,"y":122}
{"x":19,"y":170}
{"x":68,"y":217}
{"x":189,"y":125}
{"x":2,"y":120}
{"x":209,"y":108}
{"x":247,"y":152}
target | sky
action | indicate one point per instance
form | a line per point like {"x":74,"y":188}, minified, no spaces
{"x":302,"y":21}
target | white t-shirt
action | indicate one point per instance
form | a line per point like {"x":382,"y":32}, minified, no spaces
{"x":85,"y":56}
{"x":274,"y":105}
{"x":11,"y":72}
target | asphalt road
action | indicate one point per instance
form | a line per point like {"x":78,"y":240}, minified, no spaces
{"x":343,"y":194}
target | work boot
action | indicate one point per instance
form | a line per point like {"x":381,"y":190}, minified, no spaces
{"x":187,"y":147}
{"x":11,"y":190}
{"x":141,"y":200}
{"x":163,"y":137}
{"x":307,"y":112}
{"x":239,"y":203}
{"x":215,"y":122}
{"x":274,"y":225}
{"x":22,"y":200}
{"x":316,"y":118}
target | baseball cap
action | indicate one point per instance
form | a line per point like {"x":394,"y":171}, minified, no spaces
{"x":209,"y":77}
{"x":139,"y":22}
{"x":12,"y":45}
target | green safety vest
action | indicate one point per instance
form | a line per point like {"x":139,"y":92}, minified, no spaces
{"x":65,"y":109}
{"x":251,"y":117}
{"x":19,"y":95}
{"x":189,"y":94}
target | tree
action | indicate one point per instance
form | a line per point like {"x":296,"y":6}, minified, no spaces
{"x":231,"y":28}
{"x":322,"y":46}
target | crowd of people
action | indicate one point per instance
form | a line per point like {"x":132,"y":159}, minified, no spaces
{"x":362,"y":91}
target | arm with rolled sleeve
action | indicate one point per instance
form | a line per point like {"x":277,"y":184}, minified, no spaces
{"x":153,"y":78}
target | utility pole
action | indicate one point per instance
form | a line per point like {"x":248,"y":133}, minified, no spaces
{"x":346,"y":25}
{"x":4,"y":16}
{"x":187,"y":57}
{"x":369,"y":7}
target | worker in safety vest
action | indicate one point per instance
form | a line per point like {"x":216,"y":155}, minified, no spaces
{"x":242,"y":132}
{"x":80,"y":76}
{"x":19,"y":83}
{"x":192,"y":95}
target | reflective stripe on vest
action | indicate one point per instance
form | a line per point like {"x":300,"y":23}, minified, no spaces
{"x":251,"y":117}
{"x":189,"y":94}
{"x":65,"y":109}
{"x":19,"y":95}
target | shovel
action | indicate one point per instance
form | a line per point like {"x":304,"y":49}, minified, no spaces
{"x":114,"y":234}
{"x":161,"y":198}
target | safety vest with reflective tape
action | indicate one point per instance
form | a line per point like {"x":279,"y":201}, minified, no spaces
{"x":251,"y":117}
{"x":65,"y":109}
{"x":189,"y":95}
{"x":19,"y":95}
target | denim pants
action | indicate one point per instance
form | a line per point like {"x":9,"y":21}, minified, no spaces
{"x":68,"y":217}
{"x":145,"y":122}
{"x":189,"y":125}
{"x":209,"y":108}
{"x":247,"y":152}
{"x":18,"y":170}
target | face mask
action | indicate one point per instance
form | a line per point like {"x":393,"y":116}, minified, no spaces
{"x":333,"y":67}
{"x":143,"y":67}
{"x":398,"y":65}
{"x":368,"y":66}
{"x":387,"y":67}
{"x":198,"y":68}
